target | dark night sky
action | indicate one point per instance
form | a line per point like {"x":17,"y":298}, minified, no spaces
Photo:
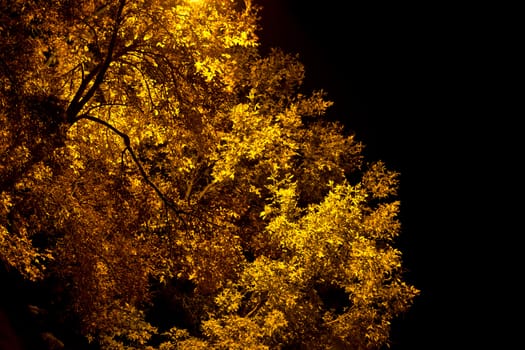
{"x":398,"y":77}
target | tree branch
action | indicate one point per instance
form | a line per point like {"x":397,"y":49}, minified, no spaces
{"x":80,"y":99}
{"x":135,"y":159}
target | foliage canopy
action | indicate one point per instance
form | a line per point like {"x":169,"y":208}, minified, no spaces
{"x":175,"y":189}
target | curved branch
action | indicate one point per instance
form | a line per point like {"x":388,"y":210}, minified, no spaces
{"x":135,"y":159}
{"x":144,"y":79}
{"x":124,"y":136}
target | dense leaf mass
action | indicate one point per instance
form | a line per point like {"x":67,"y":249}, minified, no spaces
{"x":169,"y":187}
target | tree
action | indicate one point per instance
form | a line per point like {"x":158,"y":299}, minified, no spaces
{"x":172,"y":188}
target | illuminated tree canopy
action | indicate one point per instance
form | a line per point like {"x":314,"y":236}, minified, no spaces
{"x":175,"y":190}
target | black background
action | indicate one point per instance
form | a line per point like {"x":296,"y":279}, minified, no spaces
{"x":418,"y":84}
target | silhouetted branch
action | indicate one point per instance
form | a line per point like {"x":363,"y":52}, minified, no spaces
{"x":98,"y":73}
{"x":135,"y":159}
